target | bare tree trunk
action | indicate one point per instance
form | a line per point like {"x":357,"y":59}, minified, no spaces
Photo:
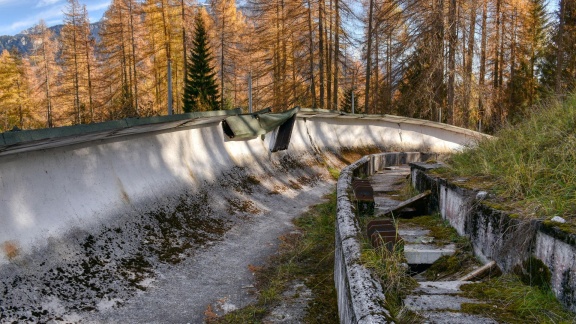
{"x":469,"y":64}
{"x":500,"y":90}
{"x":183,"y":35}
{"x":389,"y":73}
{"x":88,"y":66}
{"x":311,"y":53}
{"x":90,"y":90}
{"x":513,"y":54}
{"x":293,"y":59}
{"x":496,"y":48}
{"x":503,"y":42}
{"x":560,"y":49}
{"x":481,"y":77}
{"x":497,"y":67}
{"x":277,"y":79}
{"x":451,"y":59}
{"x":20,"y":112}
{"x":76,"y":72}
{"x":133,"y":40}
{"x":222,"y":32}
{"x":438,"y":48}
{"x":376,"y":81}
{"x":47,"y":86}
{"x":284,"y":70}
{"x":329,"y":56}
{"x":368,"y":57}
{"x":336,"y":53}
{"x":167,"y":46}
{"x":321,"y":50}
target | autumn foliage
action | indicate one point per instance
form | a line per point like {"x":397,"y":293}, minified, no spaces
{"x":478,"y":64}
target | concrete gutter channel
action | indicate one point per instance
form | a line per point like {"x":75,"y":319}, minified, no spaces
{"x":495,"y":236}
{"x":499,"y":236}
{"x":360,"y":297}
{"x":131,"y":221}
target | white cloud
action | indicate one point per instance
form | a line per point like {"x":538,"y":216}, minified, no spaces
{"x":54,"y":12}
{"x":6,"y":2}
{"x":97,"y":6}
{"x":45,"y":3}
{"x":51,"y":11}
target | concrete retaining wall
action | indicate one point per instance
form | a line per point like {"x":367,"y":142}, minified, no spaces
{"x":504,"y":238}
{"x":360,"y":297}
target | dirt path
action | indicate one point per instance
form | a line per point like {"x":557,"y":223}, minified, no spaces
{"x":218,"y":278}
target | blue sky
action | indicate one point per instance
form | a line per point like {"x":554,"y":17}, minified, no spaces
{"x":18,"y":15}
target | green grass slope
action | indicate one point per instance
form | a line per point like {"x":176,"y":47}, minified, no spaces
{"x":531,"y":166}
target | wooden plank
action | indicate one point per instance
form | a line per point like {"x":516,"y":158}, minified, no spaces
{"x":409,"y":203}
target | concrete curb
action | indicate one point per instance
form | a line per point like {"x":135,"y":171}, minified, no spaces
{"x":15,"y":141}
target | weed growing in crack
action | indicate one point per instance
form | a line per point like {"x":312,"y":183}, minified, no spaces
{"x":388,"y":265}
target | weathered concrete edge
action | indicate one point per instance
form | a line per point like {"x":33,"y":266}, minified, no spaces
{"x":360,"y":297}
{"x":13,"y":138}
{"x":497,"y":235}
{"x":16,"y":137}
{"x":323,"y":113}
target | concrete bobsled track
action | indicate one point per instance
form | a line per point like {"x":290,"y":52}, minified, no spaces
{"x":154,"y":222}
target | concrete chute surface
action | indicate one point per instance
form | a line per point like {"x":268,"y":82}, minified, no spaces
{"x":111,"y":221}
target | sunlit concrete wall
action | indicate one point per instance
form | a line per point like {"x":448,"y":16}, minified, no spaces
{"x":47,"y":191}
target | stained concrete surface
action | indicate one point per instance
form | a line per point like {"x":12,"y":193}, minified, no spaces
{"x":292,"y":307}
{"x":218,"y":275}
{"x":386,"y":185}
{"x":426,"y":253}
{"x":435,"y":301}
{"x":211,"y":277}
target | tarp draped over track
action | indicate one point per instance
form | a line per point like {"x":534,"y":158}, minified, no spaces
{"x":248,"y":126}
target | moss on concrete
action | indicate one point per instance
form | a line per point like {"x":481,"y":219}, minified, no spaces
{"x":508,"y":300}
{"x":440,"y":229}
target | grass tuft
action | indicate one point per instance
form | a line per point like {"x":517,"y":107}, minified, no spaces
{"x":391,"y":269}
{"x":334,"y":172}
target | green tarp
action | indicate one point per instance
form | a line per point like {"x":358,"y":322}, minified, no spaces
{"x":252,"y":125}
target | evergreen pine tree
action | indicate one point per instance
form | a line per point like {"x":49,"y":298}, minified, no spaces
{"x":346,"y":103}
{"x":200,"y":90}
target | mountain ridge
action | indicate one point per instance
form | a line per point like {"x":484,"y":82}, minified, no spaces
{"x":22,"y":43}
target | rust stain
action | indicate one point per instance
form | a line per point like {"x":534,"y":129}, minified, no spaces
{"x":125,"y":196}
{"x":123,"y":192}
{"x":10,"y":249}
{"x":190,"y":172}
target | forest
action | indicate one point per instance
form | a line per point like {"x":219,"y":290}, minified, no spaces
{"x":478,"y":64}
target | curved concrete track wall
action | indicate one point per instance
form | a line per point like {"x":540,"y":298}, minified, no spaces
{"x":46,"y":192}
{"x":83,"y":209}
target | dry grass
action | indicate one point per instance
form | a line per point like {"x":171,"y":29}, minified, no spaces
{"x":530,"y":164}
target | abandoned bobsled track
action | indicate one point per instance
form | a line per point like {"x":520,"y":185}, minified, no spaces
{"x":153,"y":220}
